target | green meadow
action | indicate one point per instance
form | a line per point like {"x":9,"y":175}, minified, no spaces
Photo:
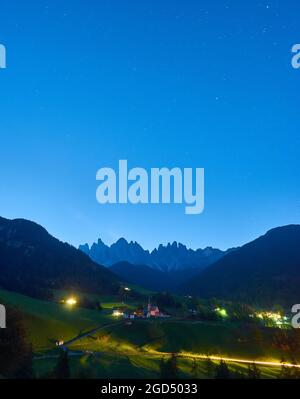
{"x":47,"y":322}
{"x":110,"y":365}
{"x":134,"y":349}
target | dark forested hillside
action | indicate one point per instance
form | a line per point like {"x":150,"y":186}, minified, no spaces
{"x":266,"y":271}
{"x":32,"y":261}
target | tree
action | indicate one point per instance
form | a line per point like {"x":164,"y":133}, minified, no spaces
{"x":254,"y":372}
{"x":25,"y":371}
{"x":241,"y":312}
{"x":238,"y":375}
{"x":194,"y":368}
{"x":165,"y":300}
{"x":205,"y":313}
{"x":209,"y":368}
{"x":169,"y":368}
{"x":285,"y":373}
{"x":289,"y":373}
{"x":62,"y":368}
{"x":162,"y":367}
{"x":14,"y":347}
{"x":222,"y":371}
{"x":296,"y":373}
{"x":288,"y":342}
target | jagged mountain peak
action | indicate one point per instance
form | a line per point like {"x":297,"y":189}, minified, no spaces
{"x":121,"y":241}
{"x":172,"y":256}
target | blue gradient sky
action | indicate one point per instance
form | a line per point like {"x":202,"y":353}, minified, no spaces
{"x":172,"y":83}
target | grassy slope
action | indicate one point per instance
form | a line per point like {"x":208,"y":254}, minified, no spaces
{"x":46,"y":322}
{"x":111,"y":366}
{"x":222,"y":339}
{"x":121,"y":349}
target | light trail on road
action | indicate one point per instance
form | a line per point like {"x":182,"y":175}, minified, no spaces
{"x":237,"y":360}
{"x":182,"y":355}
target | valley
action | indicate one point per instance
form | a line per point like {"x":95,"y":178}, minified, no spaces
{"x":101,"y":345}
{"x":102,"y":322}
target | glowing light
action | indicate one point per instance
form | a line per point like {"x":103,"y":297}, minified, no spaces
{"x":193,"y":355}
{"x":221,"y":312}
{"x":237,"y":360}
{"x":275,"y":317}
{"x":71,"y":301}
{"x":127,"y":289}
{"x":117,"y":313}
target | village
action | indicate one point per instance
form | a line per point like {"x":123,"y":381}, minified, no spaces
{"x":146,"y":312}
{"x":132,"y":311}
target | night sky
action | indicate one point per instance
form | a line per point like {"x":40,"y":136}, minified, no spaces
{"x":161,"y":84}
